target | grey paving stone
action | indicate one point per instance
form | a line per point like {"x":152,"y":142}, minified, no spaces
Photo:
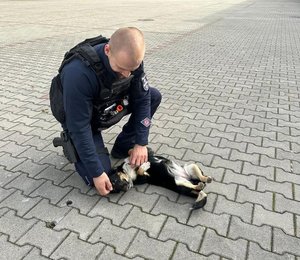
{"x":171,"y":195}
{"x":256,"y":252}
{"x":18,"y":138}
{"x":41,"y":133}
{"x":227,"y":190}
{"x":224,"y":136}
{"x":284,"y":221}
{"x":220,"y":223}
{"x":113,"y":235}
{"x":9,"y":162}
{"x":3,"y":211}
{"x":170,"y":151}
{"x":182,"y":252}
{"x":74,"y":180}
{"x":240,"y":179}
{"x":267,"y":161}
{"x":297,"y":225}
{"x":11,"y":251}
{"x":222,"y":152}
{"x":58,"y":161}
{"x":182,"y":143}
{"x":109,"y":253}
{"x":242,"y":137}
{"x":296,"y":167}
{"x":14,"y":226}
{"x":25,"y":184}
{"x":297,"y":192}
{"x":179,"y":211}
{"x":34,"y":154}
{"x":254,"y":149}
{"x":84,"y":203}
{"x":5,"y":193}
{"x":78,"y":223}
{"x":7,"y":176}
{"x":264,"y":199}
{"x":74,"y":248}
{"x":277,"y":144}
{"x":189,"y":235}
{"x":284,"y":188}
{"x":144,"y":221}
{"x":35,"y":254}
{"x":13,"y":148}
{"x":235,"y":249}
{"x":235,"y":166}
{"x":259,"y":234}
{"x":266,"y":172}
{"x":47,"y":212}
{"x":245,"y":131}
{"x":155,"y":249}
{"x":45,"y":238}
{"x":7,"y":125}
{"x":242,"y":210}
{"x":50,"y":191}
{"x":180,"y":127}
{"x":205,"y":159}
{"x":284,"y":176}
{"x":135,"y":198}
{"x":110,"y":210}
{"x":283,"y":204}
{"x":164,"y":140}
{"x":286,"y":154}
{"x":19,"y":202}
{"x":52,"y":174}
{"x":246,"y":157}
{"x":214,"y":141}
{"x":284,"y":243}
{"x":29,"y":167}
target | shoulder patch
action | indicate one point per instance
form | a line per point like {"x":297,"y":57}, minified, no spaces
{"x":145,"y":83}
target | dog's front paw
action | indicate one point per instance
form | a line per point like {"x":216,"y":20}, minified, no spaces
{"x":200,"y":186}
{"x":209,"y":179}
{"x":145,"y":166}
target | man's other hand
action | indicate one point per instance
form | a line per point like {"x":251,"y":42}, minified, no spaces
{"x":138,"y":155}
{"x":103,"y":184}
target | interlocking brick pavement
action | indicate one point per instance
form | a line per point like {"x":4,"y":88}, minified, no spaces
{"x":229,"y":73}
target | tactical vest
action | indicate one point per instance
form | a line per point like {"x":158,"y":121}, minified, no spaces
{"x":112,"y":102}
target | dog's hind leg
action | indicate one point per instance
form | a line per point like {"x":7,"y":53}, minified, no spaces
{"x":200,"y":201}
{"x":200,"y":186}
{"x":194,"y":170}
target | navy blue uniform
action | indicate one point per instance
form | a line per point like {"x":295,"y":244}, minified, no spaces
{"x":80,"y":89}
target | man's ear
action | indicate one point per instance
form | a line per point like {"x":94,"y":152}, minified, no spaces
{"x":107,"y":49}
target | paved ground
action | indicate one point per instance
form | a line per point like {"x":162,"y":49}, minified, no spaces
{"x":229,"y":72}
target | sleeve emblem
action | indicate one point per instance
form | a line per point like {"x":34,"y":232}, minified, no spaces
{"x":146,"y":122}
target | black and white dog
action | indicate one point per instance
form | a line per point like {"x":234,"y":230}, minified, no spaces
{"x":160,"y":171}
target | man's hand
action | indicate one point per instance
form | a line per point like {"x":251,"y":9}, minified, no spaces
{"x":138,"y":155}
{"x":102,"y":184}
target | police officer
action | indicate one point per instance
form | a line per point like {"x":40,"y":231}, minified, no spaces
{"x":122,"y":58}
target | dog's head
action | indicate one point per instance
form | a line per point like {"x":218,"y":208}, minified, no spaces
{"x":120,"y":178}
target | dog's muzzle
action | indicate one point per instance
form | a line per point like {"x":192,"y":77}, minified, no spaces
{"x":118,"y":183}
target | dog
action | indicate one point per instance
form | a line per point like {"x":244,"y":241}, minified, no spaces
{"x":160,"y":171}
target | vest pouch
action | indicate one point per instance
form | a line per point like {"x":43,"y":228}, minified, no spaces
{"x":106,"y":115}
{"x":113,"y":120}
{"x":56,"y":99}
